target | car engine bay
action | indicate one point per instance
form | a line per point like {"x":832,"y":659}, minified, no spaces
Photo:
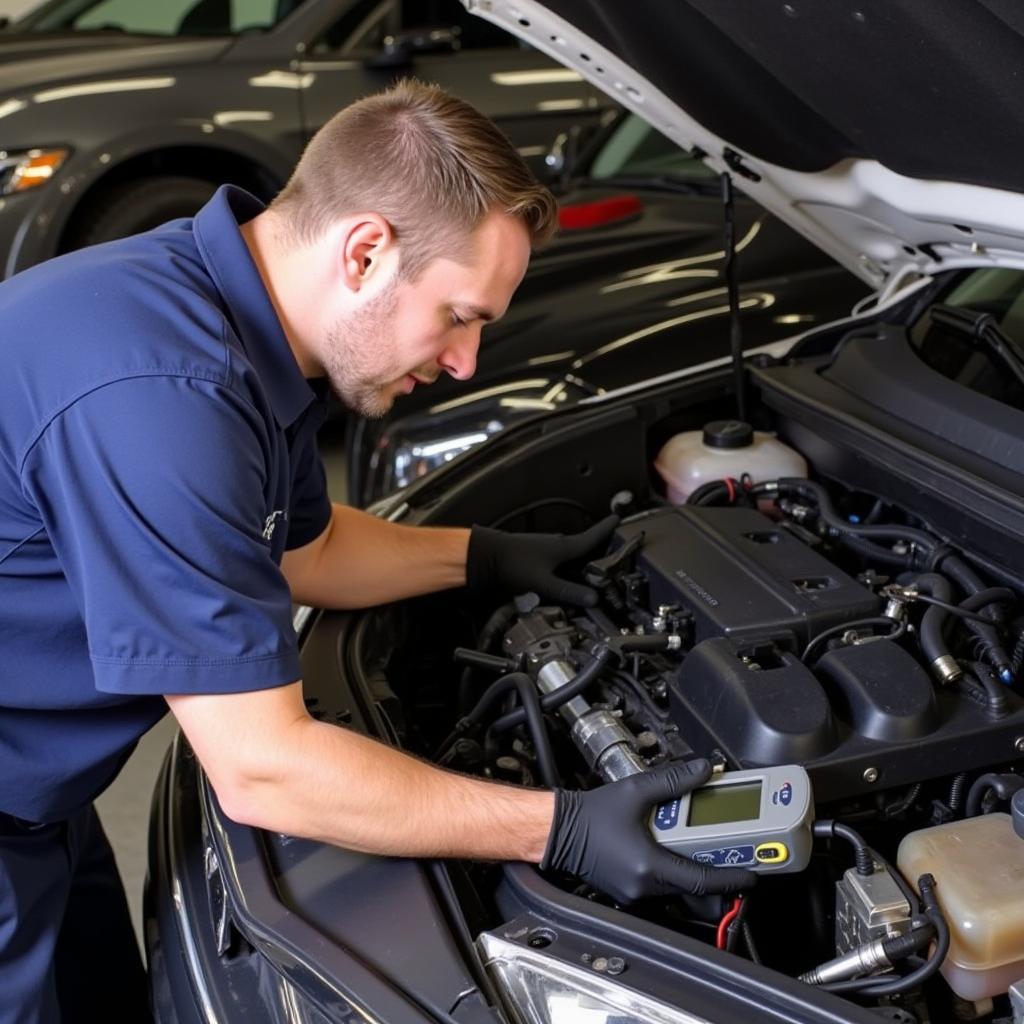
{"x":784,"y":630}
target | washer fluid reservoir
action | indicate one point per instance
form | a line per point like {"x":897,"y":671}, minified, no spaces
{"x":978,"y":866}
{"x":724,"y":448}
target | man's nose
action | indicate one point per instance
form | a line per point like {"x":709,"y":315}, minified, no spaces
{"x":459,"y":358}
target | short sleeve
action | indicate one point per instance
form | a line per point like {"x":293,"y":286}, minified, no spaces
{"x":153,"y":491}
{"x":309,"y":508}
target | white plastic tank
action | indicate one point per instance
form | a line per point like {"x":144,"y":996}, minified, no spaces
{"x":978,"y":866}
{"x":724,"y":448}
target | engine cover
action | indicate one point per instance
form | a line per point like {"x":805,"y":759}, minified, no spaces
{"x":742,"y":576}
{"x":860,"y":717}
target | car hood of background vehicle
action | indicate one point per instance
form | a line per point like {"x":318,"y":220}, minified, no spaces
{"x":59,"y":60}
{"x":889,"y":132}
{"x":639,"y":300}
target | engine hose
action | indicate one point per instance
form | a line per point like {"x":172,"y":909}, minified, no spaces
{"x":933,"y":644}
{"x":993,"y":690}
{"x":491,"y":696}
{"x":1004,"y":786}
{"x":530,"y":700}
{"x":988,"y":600}
{"x":809,"y":490}
{"x":875,"y":552}
{"x":828,"y":829}
{"x":968,"y":580}
{"x":496,"y":623}
{"x":876,"y":989}
{"x":1017,"y":658}
{"x":556,"y":698}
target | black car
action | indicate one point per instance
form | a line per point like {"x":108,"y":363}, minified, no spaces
{"x":852,"y":638}
{"x":633,"y":287}
{"x":115,"y":117}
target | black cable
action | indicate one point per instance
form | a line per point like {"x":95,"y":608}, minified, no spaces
{"x":832,"y":631}
{"x":904,"y":803}
{"x":828,"y":829}
{"x":735,"y":926}
{"x":954,"y":609}
{"x":875,"y":988}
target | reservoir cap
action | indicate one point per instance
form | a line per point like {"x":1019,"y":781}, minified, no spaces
{"x":728,"y":434}
{"x":1017,"y":812}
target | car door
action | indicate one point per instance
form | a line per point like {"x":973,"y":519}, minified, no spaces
{"x":373,"y":42}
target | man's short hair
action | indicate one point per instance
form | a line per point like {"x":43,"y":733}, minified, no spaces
{"x":429,"y":163}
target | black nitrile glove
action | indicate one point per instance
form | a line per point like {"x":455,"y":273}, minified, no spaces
{"x":522,"y":562}
{"x":603,"y":836}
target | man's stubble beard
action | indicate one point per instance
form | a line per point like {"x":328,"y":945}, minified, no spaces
{"x":359,"y":354}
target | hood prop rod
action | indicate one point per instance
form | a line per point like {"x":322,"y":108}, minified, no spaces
{"x":732,"y":287}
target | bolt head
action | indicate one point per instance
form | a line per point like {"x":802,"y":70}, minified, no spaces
{"x":616,"y":965}
{"x":600,"y":964}
{"x":870,"y":775}
{"x":1018,"y":744}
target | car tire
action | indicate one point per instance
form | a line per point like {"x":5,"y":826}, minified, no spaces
{"x":138,"y":205}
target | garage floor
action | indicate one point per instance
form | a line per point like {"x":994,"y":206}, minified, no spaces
{"x":124,"y":807}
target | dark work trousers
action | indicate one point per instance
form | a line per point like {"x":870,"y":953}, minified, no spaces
{"x":67,"y":949}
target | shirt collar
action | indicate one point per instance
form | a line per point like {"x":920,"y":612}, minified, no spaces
{"x":231,"y":266}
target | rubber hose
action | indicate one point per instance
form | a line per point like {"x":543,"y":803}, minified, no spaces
{"x":556,"y":698}
{"x":1003,"y":785}
{"x":809,"y":489}
{"x":966,"y":578}
{"x":932,"y":641}
{"x":538,"y":731}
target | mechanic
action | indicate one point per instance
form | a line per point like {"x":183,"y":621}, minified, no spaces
{"x":162,"y":505}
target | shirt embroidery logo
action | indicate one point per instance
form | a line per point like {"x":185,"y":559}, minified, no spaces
{"x":271,"y":522}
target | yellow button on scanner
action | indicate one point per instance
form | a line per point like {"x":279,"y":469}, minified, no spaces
{"x":772,"y":853}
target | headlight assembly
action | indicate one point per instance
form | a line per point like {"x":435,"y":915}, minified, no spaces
{"x":24,"y":170}
{"x":542,"y":990}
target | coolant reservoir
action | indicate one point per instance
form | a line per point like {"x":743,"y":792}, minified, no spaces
{"x":978,"y":866}
{"x":724,"y":448}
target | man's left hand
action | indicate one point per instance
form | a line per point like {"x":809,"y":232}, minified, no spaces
{"x":521,"y":562}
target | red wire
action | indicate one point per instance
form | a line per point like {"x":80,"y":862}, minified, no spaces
{"x":728,"y":918}
{"x":731,"y":484}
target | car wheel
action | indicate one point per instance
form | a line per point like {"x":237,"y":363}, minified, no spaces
{"x":138,"y":205}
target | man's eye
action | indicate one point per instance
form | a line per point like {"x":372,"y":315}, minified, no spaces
{"x":457,"y":321}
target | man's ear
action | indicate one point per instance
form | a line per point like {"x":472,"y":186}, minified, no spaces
{"x":363,"y":243}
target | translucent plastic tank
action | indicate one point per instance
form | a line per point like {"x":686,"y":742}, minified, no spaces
{"x":978,"y":866}
{"x":724,"y":448}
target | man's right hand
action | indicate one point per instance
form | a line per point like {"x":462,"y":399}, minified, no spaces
{"x":603,"y":837}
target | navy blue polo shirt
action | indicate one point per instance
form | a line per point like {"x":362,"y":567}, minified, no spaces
{"x":157,"y":456}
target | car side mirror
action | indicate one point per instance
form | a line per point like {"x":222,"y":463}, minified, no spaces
{"x":400,"y":49}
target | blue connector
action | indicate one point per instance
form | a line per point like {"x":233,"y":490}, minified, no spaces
{"x":1006,"y":675}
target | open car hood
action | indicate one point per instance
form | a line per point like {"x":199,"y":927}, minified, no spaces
{"x":886,"y":131}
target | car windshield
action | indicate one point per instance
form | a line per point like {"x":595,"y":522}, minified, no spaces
{"x":635,"y":149}
{"x":156,"y":17}
{"x":952,"y":340}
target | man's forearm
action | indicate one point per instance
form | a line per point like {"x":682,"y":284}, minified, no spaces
{"x":362,"y":561}
{"x":337,"y":786}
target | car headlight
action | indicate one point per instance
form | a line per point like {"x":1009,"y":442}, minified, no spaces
{"x":24,"y":170}
{"x":542,"y":990}
{"x":412,"y":447}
